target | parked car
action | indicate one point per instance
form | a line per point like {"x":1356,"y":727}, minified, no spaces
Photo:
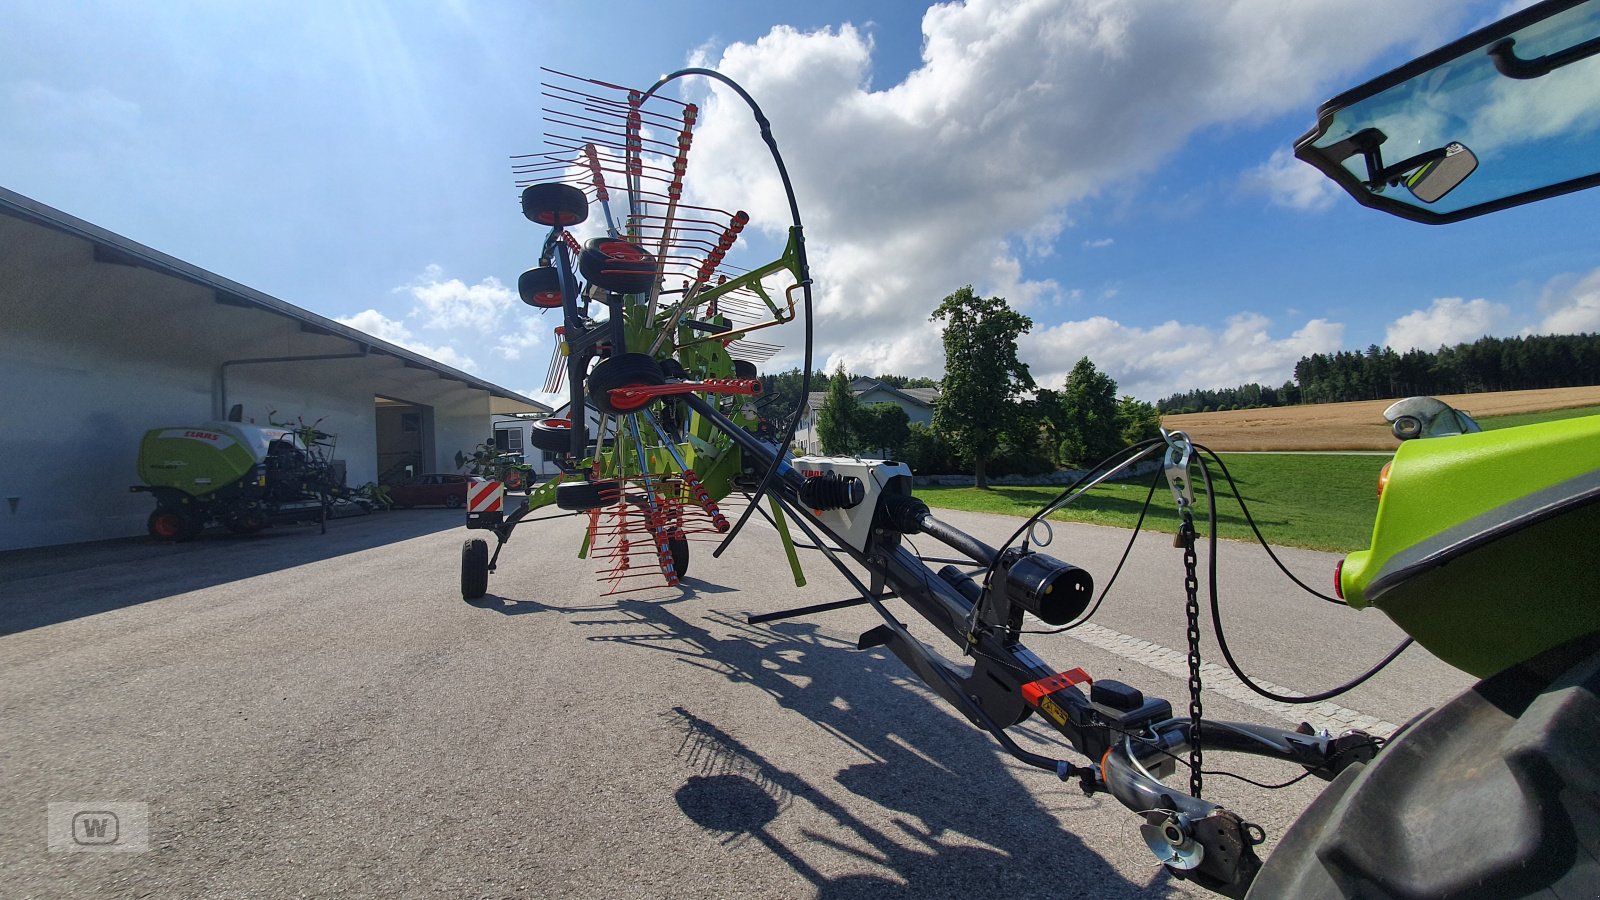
{"x":431,"y":490}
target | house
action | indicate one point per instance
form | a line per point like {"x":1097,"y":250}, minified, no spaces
{"x":917,"y":402}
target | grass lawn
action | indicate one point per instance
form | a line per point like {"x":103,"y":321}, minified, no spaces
{"x":1549,"y":415}
{"x":1320,"y":501}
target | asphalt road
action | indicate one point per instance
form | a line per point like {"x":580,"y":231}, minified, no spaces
{"x":310,"y":715}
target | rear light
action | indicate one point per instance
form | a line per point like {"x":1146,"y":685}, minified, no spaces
{"x":1383,"y":478}
{"x":1338,"y":574}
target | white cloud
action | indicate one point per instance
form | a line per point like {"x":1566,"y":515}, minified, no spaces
{"x":1446,"y":322}
{"x":395,"y":332}
{"x":451,"y":303}
{"x":1151,"y":363}
{"x":1291,"y":183}
{"x":1570,"y":305}
{"x":1018,"y":111}
{"x":1098,"y":243}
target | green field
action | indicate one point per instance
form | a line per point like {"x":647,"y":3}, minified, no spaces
{"x":1320,"y":501}
{"x":1549,"y":415}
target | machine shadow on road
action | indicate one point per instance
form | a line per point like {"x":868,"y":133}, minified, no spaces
{"x":688,"y":589}
{"x":947,"y":815}
{"x":49,"y":585}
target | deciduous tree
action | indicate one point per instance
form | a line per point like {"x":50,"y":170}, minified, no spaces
{"x":983,"y":377}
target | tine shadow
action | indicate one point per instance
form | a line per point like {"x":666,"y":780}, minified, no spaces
{"x":960,"y":821}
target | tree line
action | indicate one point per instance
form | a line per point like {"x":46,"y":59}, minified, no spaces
{"x":991,"y":418}
{"x":1488,"y":364}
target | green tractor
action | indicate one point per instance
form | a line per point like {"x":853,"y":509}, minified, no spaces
{"x":243,"y":477}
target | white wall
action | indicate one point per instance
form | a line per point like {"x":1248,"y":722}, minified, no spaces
{"x":94,"y":353}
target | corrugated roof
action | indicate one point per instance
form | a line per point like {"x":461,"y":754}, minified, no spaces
{"x":115,"y":248}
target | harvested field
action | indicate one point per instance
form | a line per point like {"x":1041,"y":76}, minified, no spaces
{"x":1351,"y":426}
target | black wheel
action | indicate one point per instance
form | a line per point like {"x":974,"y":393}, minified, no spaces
{"x":623,"y":370}
{"x":474,"y":568}
{"x":540,"y":287}
{"x":578,"y":496}
{"x":621,"y":267}
{"x":680,"y":555}
{"x":554,"y":204}
{"x":744,"y":368}
{"x":673,"y":369}
{"x":177,"y":525}
{"x":513,"y":479}
{"x":456,"y":501}
{"x":553,"y":435}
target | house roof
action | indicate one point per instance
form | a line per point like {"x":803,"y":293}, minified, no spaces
{"x":861,"y":384}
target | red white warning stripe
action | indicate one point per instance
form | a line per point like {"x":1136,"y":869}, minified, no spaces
{"x":484,"y":496}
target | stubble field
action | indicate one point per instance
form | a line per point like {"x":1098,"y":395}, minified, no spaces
{"x":1351,"y":426}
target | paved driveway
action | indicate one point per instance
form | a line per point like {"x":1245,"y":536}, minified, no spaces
{"x":308,"y":715}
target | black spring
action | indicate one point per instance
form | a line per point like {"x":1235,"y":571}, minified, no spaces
{"x":829,"y":491}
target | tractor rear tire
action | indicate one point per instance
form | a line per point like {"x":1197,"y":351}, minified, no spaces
{"x":474,"y":569}
{"x":554,"y":204}
{"x":622,"y":370}
{"x":618,"y":266}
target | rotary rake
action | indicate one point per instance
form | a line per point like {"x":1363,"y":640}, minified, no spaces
{"x":652,"y":314}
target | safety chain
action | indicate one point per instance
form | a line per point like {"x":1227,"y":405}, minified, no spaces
{"x":1191,"y":585}
{"x":1180,"y":455}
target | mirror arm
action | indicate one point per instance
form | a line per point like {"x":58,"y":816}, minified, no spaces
{"x":1391,"y":175}
{"x":1507,"y":63}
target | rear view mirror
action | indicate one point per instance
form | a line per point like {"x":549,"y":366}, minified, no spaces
{"x":1440,"y":177}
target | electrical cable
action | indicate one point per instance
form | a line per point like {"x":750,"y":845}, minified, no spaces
{"x":1115,"y":572}
{"x":1260,"y":538}
{"x":1123,"y":457}
{"x":1216,"y":617}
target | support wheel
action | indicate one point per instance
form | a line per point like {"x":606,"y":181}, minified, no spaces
{"x":540,"y":287}
{"x":744,"y":368}
{"x":618,"y":266}
{"x":513,"y":479}
{"x":580,"y":496}
{"x":552,"y":435}
{"x":623,"y":370}
{"x":680,"y":555}
{"x":474,"y":568}
{"x":554,"y":204}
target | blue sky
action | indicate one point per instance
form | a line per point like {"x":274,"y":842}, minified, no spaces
{"x":1117,"y":170}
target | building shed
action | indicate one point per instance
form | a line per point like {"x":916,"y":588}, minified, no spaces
{"x":103,"y":339}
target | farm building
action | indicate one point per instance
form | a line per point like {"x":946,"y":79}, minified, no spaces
{"x":105,"y":339}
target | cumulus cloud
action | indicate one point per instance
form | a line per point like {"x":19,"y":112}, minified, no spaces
{"x":1151,"y":363}
{"x":1288,"y":182}
{"x":1570,"y":305}
{"x":1018,"y":111}
{"x":451,"y":303}
{"x":395,"y":332}
{"x":1446,"y":322}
